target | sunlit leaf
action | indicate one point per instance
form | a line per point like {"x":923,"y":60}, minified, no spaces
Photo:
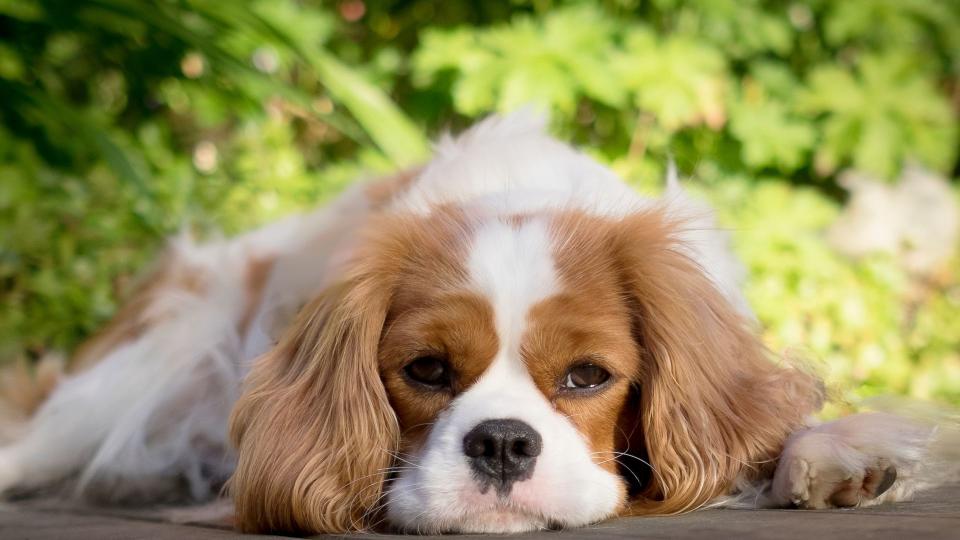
{"x":872,"y":116}
{"x":681,"y":81}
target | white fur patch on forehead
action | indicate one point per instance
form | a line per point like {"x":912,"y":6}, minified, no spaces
{"x":513,"y":266}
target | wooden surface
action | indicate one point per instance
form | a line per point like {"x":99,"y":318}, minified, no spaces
{"x":935,"y":514}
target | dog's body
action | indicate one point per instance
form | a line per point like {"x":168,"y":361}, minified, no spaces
{"x":598,"y":340}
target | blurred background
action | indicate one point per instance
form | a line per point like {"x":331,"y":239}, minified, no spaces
{"x":825,"y":131}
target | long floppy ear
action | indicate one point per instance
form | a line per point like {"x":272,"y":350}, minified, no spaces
{"x":314,"y":429}
{"x":713,"y":405}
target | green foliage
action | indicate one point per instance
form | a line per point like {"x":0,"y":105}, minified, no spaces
{"x":552,"y":61}
{"x":124,"y":122}
{"x":863,"y":323}
{"x":876,"y":117}
{"x":675,"y":78}
{"x":127,"y":122}
{"x":770,"y":137}
{"x":686,"y":66}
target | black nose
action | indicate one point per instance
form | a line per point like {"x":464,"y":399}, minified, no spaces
{"x":502,"y":452}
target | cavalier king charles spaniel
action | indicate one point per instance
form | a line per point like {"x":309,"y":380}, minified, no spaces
{"x":507,"y":338}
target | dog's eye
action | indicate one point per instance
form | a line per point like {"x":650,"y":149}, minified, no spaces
{"x":586,"y":376}
{"x":429,"y":370}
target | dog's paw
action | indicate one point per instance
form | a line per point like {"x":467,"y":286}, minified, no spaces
{"x":818,"y":471}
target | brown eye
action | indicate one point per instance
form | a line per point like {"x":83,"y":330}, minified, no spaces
{"x":585,"y":376}
{"x":432,"y":371}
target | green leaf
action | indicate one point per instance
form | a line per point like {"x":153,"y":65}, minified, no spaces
{"x":880,"y":115}
{"x":769,"y":136}
{"x":553,"y":62}
{"x":388,"y":127}
{"x":678,"y":79}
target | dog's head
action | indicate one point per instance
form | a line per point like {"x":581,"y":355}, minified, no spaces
{"x":491,"y":373}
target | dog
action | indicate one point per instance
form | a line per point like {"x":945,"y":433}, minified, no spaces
{"x":505,"y":339}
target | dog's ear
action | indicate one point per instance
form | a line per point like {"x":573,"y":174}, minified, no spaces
{"x":712,"y":405}
{"x":314,"y":429}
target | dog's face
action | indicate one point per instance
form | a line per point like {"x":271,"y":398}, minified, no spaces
{"x":508,"y":377}
{"x":475,"y":373}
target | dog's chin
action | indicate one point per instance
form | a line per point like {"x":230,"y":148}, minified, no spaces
{"x":498,"y":520}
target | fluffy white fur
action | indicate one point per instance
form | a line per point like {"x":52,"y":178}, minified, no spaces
{"x":153,"y":413}
{"x":155,"y":407}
